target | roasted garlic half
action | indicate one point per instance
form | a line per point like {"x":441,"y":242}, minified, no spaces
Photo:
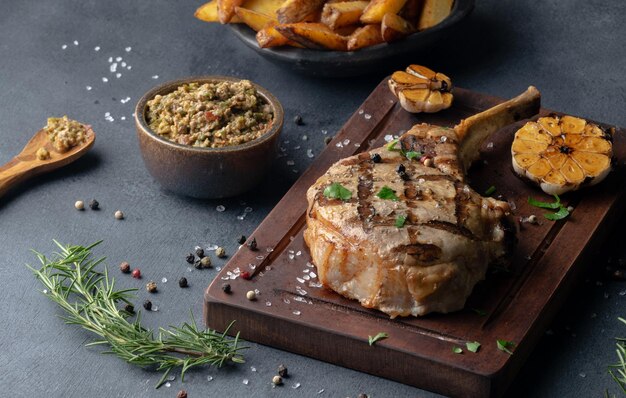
{"x":420,"y":89}
{"x":562,"y":154}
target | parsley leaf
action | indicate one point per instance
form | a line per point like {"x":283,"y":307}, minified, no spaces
{"x":472,"y":346}
{"x":559,"y":215}
{"x":387,"y":193}
{"x":413,"y":155}
{"x":392,"y":145}
{"x":490,"y":191}
{"x":504,"y":345}
{"x":546,"y":205}
{"x":457,"y":350}
{"x":379,"y":336}
{"x":337,"y":191}
{"x":400,"y":221}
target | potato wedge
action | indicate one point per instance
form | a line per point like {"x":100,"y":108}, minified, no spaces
{"x":293,"y":11}
{"x":267,"y":7}
{"x":314,"y":35}
{"x":434,"y":11}
{"x":226,"y":9}
{"x":377,"y":9}
{"x":365,"y":36}
{"x":253,"y":19}
{"x":208,"y":13}
{"x":346,"y":13}
{"x":394,"y":27}
{"x":269,"y":37}
{"x":412,"y":11}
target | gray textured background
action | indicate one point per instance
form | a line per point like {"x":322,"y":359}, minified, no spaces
{"x":573,"y":51}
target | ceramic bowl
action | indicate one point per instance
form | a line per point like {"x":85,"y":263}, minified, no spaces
{"x":206,"y":172}
{"x":363,"y":61}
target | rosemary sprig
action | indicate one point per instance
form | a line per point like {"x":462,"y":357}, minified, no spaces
{"x":618,"y":370}
{"x":90,"y":301}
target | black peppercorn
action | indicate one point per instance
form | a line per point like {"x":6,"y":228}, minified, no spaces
{"x":129,"y":308}
{"x":404,"y":175}
{"x":190,"y":258}
{"x":362,"y":396}
{"x":125,"y":267}
{"x":198,"y":264}
{"x":94,"y":205}
{"x":298,"y":120}
{"x":200,"y":252}
{"x":376,"y":158}
{"x":147,"y":305}
{"x":252,"y":245}
{"x":327,"y":140}
{"x":400,"y":168}
{"x":226,"y":288}
{"x":182,"y":282}
{"x":241,"y":240}
{"x":282,"y":371}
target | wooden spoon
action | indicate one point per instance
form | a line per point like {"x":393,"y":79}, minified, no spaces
{"x":26,"y":164}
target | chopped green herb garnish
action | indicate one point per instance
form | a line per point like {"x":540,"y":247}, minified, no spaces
{"x":479,"y":311}
{"x":472,"y":346}
{"x":457,"y":350}
{"x":379,"y":336}
{"x":559,"y":215}
{"x":546,"y":205}
{"x":413,"y":155}
{"x":392,"y":145}
{"x":387,"y":193}
{"x":490,"y":191}
{"x":337,"y":191}
{"x":400,"y":221}
{"x":504,"y":345}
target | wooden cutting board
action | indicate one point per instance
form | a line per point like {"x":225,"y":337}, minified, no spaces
{"x":294,"y":313}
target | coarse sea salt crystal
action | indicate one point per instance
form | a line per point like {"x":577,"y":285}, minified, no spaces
{"x":268,"y":304}
{"x":252,"y":369}
{"x":127,"y":49}
{"x":324,"y":132}
{"x":118,"y":75}
{"x":309,"y":153}
{"x":296,"y":385}
{"x":290,"y":163}
{"x":104,"y":80}
{"x":110,"y":59}
{"x":123,"y":118}
{"x":96,"y":48}
{"x":361,"y":111}
{"x":123,"y":64}
{"x":490,"y":145}
{"x":245,"y":381}
{"x":388,"y":138}
{"x":64,"y":46}
{"x":129,"y":67}
{"x":367,"y":116}
{"x":320,"y":391}
{"x":168,"y":384}
{"x":209,"y":378}
{"x":88,"y":88}
{"x":300,"y":280}
{"x":296,"y":312}
{"x":75,"y":42}
{"x":118,"y":59}
{"x":113,"y":67}
{"x":220,"y":208}
{"x":301,"y":291}
{"x":164,"y":280}
{"x":346,"y":142}
{"x":155,"y":77}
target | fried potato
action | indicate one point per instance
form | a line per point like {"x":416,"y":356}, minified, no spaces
{"x":298,"y":10}
{"x":314,"y":35}
{"x":269,"y":37}
{"x":377,"y":9}
{"x":434,"y":11}
{"x":267,"y":7}
{"x":412,"y":10}
{"x":341,"y":14}
{"x":365,"y":36}
{"x":395,"y":27}
{"x":226,"y":9}
{"x":208,"y":13}
{"x":253,"y":19}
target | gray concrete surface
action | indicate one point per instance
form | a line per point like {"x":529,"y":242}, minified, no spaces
{"x":573,"y":51}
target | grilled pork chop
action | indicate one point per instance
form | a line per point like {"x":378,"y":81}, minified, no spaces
{"x":424,"y":250}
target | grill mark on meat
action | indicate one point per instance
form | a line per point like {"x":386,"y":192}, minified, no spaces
{"x":422,"y":252}
{"x":452,"y":228}
{"x":364,"y":193}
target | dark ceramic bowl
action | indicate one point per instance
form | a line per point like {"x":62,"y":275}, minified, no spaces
{"x":363,"y":61}
{"x":207,"y":172}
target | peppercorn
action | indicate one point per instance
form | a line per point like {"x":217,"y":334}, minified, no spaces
{"x":182,"y":282}
{"x":151,"y":287}
{"x":205,"y":262}
{"x":428,"y":161}
{"x":147,"y":305}
{"x":298,"y":120}
{"x":252,"y":245}
{"x":226,"y":288}
{"x":129,"y":308}
{"x":125,"y":267}
{"x":136,"y":273}
{"x":220,"y":252}
{"x":400,"y":168}
{"x":277,"y":380}
{"x":200,"y":252}
{"x":245,"y":275}
{"x":376,"y":158}
{"x":119,"y":215}
{"x":190,"y":258}
{"x":251,"y":295}
{"x":327,"y":140}
{"x":241,"y":240}
{"x":79,"y":205}
{"x":362,"y":396}
{"x":282,"y":371}
{"x":181,"y":394}
{"x":94,"y":205}
{"x":404,"y":176}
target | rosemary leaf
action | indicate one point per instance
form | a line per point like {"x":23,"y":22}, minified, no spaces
{"x":90,"y":300}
